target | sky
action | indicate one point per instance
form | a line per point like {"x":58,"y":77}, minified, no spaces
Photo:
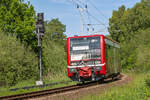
{"x":99,"y":12}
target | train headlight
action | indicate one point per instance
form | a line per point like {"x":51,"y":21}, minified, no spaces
{"x":74,"y":64}
{"x":72,"y":70}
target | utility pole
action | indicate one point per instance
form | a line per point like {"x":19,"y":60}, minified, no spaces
{"x":40,"y":33}
{"x":81,"y":11}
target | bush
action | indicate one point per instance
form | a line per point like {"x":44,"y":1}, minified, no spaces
{"x":143,"y":56}
{"x":147,"y":81}
{"x":135,"y":53}
{"x":17,"y":63}
{"x":54,"y":57}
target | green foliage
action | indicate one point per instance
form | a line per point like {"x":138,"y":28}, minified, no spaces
{"x":17,"y":18}
{"x":135,"y":90}
{"x":143,"y":48}
{"x":147,"y":81}
{"x":125,"y":23}
{"x":17,"y":63}
{"x":57,"y":78}
{"x":55,"y":30}
{"x":115,"y":24}
{"x":54,"y":55}
{"x":130,"y":27}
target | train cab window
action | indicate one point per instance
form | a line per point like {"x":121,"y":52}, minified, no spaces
{"x":85,"y":48}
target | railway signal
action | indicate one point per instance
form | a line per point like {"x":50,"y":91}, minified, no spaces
{"x":40,"y":24}
{"x":40,"y":33}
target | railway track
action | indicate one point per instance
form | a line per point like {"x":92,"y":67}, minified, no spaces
{"x":53,"y":91}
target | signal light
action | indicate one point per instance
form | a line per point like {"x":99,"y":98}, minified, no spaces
{"x":40,"y":17}
{"x":40,"y":23}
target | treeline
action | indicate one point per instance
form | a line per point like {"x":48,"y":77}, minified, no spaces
{"x":18,"y":44}
{"x":17,"y":63}
{"x":17,"y":18}
{"x":131,"y":28}
{"x":54,"y":48}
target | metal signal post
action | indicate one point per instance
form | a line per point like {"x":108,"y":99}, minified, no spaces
{"x":40,"y":34}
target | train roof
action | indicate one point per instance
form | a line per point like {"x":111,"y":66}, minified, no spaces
{"x":111,"y":39}
{"x":94,"y":36}
{"x":85,"y":36}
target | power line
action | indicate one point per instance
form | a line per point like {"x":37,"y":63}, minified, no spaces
{"x":100,"y":12}
{"x":88,"y":17}
{"x":81,"y":2}
{"x":76,"y":2}
{"x":83,"y":7}
{"x":97,"y":19}
{"x":91,"y":14}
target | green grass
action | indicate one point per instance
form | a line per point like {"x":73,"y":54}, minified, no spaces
{"x":136,"y":90}
{"x":4,"y":91}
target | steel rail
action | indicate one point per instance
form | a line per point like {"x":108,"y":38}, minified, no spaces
{"x":41,"y":86}
{"x":51,"y":91}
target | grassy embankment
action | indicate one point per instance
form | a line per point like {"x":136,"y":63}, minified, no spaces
{"x":135,"y":90}
{"x":19,"y":65}
{"x":62,"y":77}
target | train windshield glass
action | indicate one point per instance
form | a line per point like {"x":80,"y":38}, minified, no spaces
{"x":85,"y":48}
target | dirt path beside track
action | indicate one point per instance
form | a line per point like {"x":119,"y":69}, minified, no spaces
{"x":96,"y":89}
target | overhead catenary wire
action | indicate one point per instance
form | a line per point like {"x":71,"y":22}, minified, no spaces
{"x":81,"y":2}
{"x":90,"y":13}
{"x":76,"y":3}
{"x":82,"y":8}
{"x":101,"y":23}
{"x":98,"y":10}
{"x":89,"y":16}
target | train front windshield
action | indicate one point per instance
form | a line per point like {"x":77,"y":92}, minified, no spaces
{"x":86,"y":49}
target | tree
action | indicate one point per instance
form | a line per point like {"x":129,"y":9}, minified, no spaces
{"x":17,"y":63}
{"x":17,"y":18}
{"x":115,"y":24}
{"x":55,"y":29}
{"x":126,"y":26}
{"x":54,"y":55}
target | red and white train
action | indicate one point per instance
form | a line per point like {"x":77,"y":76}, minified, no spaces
{"x":92,"y":58}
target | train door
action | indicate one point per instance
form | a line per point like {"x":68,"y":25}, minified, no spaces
{"x":115,"y":60}
{"x":107,"y":59}
{"x":110,"y":59}
{"x":119,"y":60}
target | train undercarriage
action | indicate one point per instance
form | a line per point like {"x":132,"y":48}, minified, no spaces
{"x":90,"y":74}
